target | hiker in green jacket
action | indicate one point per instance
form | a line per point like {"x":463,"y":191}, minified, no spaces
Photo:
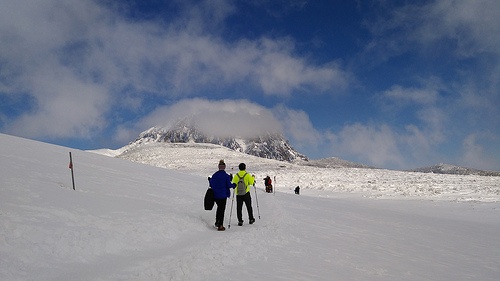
{"x":243,"y":181}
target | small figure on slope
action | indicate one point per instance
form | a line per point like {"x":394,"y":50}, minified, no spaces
{"x":268,"y":184}
{"x":297,"y":190}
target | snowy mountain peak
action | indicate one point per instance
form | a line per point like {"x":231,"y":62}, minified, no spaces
{"x":270,"y":146}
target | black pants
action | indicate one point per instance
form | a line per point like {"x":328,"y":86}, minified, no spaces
{"x":239,"y":206}
{"x":221,"y":208}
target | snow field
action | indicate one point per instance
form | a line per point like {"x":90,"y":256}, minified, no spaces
{"x":201,"y":159}
{"x":130,"y":221}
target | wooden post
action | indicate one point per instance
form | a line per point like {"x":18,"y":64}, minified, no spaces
{"x":71,"y":167}
{"x":274,"y":188}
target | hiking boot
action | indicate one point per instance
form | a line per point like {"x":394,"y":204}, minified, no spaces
{"x":240,"y":223}
{"x":221,"y":228}
{"x":251,"y":221}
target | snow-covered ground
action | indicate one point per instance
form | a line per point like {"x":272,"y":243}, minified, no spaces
{"x":130,"y":221}
{"x":202,"y":159}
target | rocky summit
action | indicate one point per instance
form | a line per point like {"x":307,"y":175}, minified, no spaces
{"x":270,"y":146}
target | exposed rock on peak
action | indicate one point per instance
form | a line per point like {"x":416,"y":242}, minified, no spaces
{"x":271,"y":146}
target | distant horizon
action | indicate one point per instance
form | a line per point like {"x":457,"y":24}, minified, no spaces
{"x":409,"y":169}
{"x":236,"y":137}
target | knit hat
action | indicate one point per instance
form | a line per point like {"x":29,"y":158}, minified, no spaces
{"x":242,"y":166}
{"x":222,"y":165}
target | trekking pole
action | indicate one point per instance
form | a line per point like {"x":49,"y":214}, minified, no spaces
{"x":256,"y":199}
{"x":231,"y":212}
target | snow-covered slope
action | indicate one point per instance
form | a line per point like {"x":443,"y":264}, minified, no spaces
{"x":130,"y":221}
{"x":455,"y":170}
{"x":202,"y":159}
{"x":334,"y":162}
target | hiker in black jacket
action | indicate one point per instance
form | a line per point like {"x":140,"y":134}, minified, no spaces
{"x":243,"y":181}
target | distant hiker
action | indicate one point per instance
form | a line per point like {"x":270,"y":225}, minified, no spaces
{"x":221,"y":184}
{"x":297,"y":190}
{"x":243,"y":181}
{"x":268,"y":184}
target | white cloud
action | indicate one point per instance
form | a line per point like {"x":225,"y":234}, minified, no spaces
{"x":375,"y":145}
{"x":68,"y":108}
{"x":443,"y":117}
{"x":403,"y":96}
{"x":279,"y":72}
{"x":298,"y":127}
{"x":229,"y":118}
{"x":456,"y":43}
{"x":476,"y":153}
{"x":472,"y":24}
{"x":218,"y":118}
{"x":424,"y":103}
{"x":473,"y":152}
{"x":106,"y":57}
{"x":467,"y":28}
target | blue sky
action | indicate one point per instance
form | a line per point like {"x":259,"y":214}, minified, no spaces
{"x":394,"y":84}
